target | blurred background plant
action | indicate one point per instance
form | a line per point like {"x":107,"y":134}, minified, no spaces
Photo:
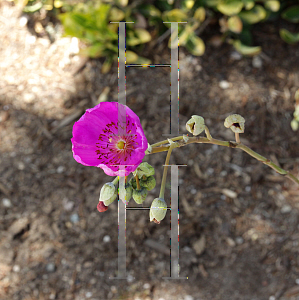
{"x":89,"y":21}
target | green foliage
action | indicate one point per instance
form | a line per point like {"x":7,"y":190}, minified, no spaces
{"x":90,"y":22}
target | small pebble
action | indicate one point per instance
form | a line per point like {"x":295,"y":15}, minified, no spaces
{"x":193,"y":191}
{"x":52,"y":296}
{"x":188,"y":297}
{"x":88,"y":295}
{"x":60,"y":169}
{"x":297,"y":281}
{"x":69,"y":205}
{"x":257,"y":62}
{"x":272,"y":298}
{"x":74,"y":218}
{"x":16,"y":268}
{"x":224,"y":84}
{"x":239,"y":240}
{"x":28,"y":97}
{"x":235,"y":55}
{"x":21,"y":166}
{"x":6,"y":202}
{"x":50,"y":267}
{"x":146,"y":286}
{"x":286,"y":209}
{"x":247,"y":188}
{"x":106,"y":239}
{"x":23,"y":21}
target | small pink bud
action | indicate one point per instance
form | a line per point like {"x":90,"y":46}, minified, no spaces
{"x":102,"y":207}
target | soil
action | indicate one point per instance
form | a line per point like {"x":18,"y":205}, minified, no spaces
{"x":239,"y":233}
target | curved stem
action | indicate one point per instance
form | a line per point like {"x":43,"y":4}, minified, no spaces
{"x":207,"y":131}
{"x":163,"y":183}
{"x":166,"y":141}
{"x":137,"y":183}
{"x":203,"y":140}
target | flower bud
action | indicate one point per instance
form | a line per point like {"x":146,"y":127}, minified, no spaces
{"x":101,"y":207}
{"x":140,"y":195}
{"x":235,"y":122}
{"x":144,"y":169}
{"x":149,"y":183}
{"x":108,"y":193}
{"x":196,"y":125}
{"x":133,"y":183}
{"x":158,"y":210}
{"x":128,"y":193}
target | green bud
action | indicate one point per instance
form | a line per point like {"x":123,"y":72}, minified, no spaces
{"x":144,"y":169}
{"x":133,"y":183}
{"x":140,"y":195}
{"x":158,"y":210}
{"x":149,"y":183}
{"x":108,"y":193}
{"x":129,"y":192}
{"x":149,"y":149}
{"x":196,"y":125}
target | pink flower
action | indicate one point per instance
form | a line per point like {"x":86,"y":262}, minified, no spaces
{"x":96,"y":141}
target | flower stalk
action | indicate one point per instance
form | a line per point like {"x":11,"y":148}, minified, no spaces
{"x":203,"y":140}
{"x":163,"y":183}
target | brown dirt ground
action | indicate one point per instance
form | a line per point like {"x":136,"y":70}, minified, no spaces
{"x":238,"y":219}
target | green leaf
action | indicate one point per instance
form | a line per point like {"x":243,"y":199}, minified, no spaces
{"x":142,"y":61}
{"x":291,"y":14}
{"x":116,"y":15}
{"x":142,"y":35}
{"x":246,"y":36}
{"x":122,"y":2}
{"x":200,"y":14}
{"x":106,"y":67}
{"x":187,"y":4}
{"x":230,"y":7}
{"x":139,"y":36}
{"x":273,"y":5}
{"x":33,"y":8}
{"x":212,"y":3}
{"x":96,"y":50}
{"x":174,"y":15}
{"x":249,"y":4}
{"x":101,"y":16}
{"x":148,"y":10}
{"x":195,"y":45}
{"x":294,"y":125}
{"x":289,"y":37}
{"x":235,"y":24}
{"x":246,"y":50}
{"x":131,"y":57}
{"x":254,"y":15}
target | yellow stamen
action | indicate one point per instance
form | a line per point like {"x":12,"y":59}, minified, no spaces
{"x":121,"y":145}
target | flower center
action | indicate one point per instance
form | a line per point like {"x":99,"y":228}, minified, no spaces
{"x":121,"y":145}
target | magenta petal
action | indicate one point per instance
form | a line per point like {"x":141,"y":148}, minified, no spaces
{"x":96,"y":141}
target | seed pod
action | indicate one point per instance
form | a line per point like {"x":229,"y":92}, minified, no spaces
{"x":158,"y":210}
{"x":196,"y":125}
{"x":108,"y":193}
{"x":235,"y":122}
{"x":149,"y":183}
{"x":140,"y":195}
